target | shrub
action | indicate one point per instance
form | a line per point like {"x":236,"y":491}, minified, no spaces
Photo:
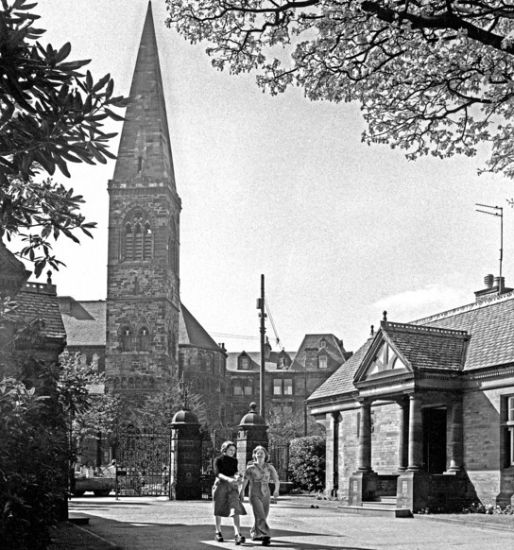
{"x":307,"y":463}
{"x":32,"y":466}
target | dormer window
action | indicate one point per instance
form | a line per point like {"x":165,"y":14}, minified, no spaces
{"x":323,"y":343}
{"x":322,"y":361}
{"x":244,"y":363}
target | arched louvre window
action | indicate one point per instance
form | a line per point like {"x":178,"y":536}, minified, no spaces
{"x":138,"y":242}
{"x":129,"y":242}
{"x":143,"y":339}
{"x":147,"y":242}
{"x":137,"y":237}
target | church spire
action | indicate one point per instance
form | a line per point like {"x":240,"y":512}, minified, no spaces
{"x":144,"y":155}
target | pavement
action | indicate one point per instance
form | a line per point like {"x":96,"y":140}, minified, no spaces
{"x":297,"y":522}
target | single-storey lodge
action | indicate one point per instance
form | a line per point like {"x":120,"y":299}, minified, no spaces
{"x":424,"y":411}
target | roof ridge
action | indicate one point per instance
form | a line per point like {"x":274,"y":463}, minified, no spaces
{"x":465,"y":308}
{"x":425,"y":328}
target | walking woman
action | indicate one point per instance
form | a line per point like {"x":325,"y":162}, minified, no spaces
{"x":225,"y":492}
{"x":259,"y":474}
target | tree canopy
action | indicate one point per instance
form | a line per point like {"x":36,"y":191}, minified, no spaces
{"x":431,"y":76}
{"x":51,"y":114}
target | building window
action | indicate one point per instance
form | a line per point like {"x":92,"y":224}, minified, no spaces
{"x":137,"y":238}
{"x":237,"y":388}
{"x":282,"y":386}
{"x":248,"y":387}
{"x":143,"y":339}
{"x":323,"y":343}
{"x":245,"y":363}
{"x":125,"y":339}
{"x":322,"y":362}
{"x":509,"y":439}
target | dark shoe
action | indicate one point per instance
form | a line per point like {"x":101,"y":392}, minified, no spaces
{"x":266,"y":541}
{"x":239,"y":539}
{"x":218,"y":537}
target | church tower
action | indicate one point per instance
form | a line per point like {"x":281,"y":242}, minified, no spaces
{"x":143,"y":295}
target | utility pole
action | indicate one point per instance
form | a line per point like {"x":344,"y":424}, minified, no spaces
{"x":262,"y":314}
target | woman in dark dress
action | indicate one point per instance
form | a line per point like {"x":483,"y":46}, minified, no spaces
{"x":225,"y":492}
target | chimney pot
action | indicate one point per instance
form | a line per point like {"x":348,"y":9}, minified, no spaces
{"x":489,"y":280}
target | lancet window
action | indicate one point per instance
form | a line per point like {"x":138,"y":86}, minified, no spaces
{"x":137,"y":237}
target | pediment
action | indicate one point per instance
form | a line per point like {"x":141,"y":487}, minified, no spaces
{"x":382,"y":360}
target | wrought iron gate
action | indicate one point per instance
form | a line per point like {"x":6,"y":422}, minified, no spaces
{"x":142,"y":463}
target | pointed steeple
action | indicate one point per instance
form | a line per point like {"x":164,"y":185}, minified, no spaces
{"x":144,"y":155}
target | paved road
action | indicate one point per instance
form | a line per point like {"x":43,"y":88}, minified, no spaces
{"x":158,"y":524}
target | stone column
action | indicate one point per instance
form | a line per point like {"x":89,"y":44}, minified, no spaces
{"x":403,"y":450}
{"x":252,"y":432}
{"x":365,"y":437}
{"x":186,"y":457}
{"x":415,"y":434}
{"x":456,"y":435}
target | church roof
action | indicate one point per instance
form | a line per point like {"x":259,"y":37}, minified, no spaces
{"x":85,"y":324}
{"x":192,"y":333}
{"x":144,"y":154}
{"x":84,"y":321}
{"x":488,"y":324}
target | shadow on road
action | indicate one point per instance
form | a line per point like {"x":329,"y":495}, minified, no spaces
{"x":177,"y":536}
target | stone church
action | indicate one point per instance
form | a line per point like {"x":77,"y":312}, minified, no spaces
{"x":142,"y":335}
{"x":422,"y":415}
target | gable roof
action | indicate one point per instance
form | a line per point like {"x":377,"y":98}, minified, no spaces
{"x":85,"y":324}
{"x":192,"y":333}
{"x":37,"y":301}
{"x":426,"y":347}
{"x":341,"y":380}
{"x":84,"y":321}
{"x":489,"y":325}
{"x":333,"y":349}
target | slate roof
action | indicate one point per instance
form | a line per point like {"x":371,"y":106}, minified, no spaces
{"x":489,"y":324}
{"x":85,"y":324}
{"x":428,"y":347}
{"x":342,"y":379}
{"x":37,"y":301}
{"x":192,"y":333}
{"x":84,"y":321}
{"x":333,"y":348}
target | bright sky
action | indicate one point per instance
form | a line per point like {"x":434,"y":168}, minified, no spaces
{"x":283,"y":186}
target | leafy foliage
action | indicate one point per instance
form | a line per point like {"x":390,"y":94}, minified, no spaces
{"x":307,"y":462}
{"x":159,"y":409}
{"x":432,"y":76}
{"x":32,"y":464}
{"x":50,"y":115}
{"x":88,"y":409}
{"x":284,"y":426}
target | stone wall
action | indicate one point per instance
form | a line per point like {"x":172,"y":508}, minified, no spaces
{"x":482,"y":442}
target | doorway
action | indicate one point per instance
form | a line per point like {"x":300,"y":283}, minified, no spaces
{"x":434,"y":440}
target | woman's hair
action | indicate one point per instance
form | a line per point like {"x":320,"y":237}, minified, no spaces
{"x":260,"y":448}
{"x":225,"y":445}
